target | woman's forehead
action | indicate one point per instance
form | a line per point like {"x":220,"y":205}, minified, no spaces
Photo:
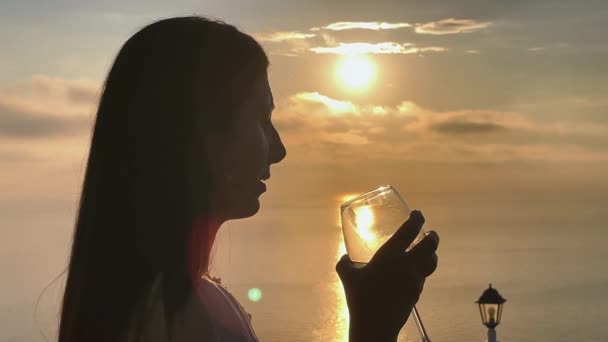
{"x":262,"y":92}
{"x":270,"y":98}
{"x":260,"y":97}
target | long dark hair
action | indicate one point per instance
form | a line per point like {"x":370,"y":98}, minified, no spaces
{"x":147,"y":178}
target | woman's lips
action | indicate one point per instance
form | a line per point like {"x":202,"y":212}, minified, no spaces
{"x":261,"y":187}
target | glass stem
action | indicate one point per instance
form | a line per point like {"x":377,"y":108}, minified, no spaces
{"x":420,"y":326}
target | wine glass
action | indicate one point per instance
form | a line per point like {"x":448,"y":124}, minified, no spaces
{"x":368,"y":221}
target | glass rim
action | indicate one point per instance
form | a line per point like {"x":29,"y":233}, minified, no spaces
{"x":367,"y":195}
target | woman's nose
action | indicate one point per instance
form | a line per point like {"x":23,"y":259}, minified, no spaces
{"x":277,"y":149}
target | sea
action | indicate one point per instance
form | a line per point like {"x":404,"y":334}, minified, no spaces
{"x":545,"y":252}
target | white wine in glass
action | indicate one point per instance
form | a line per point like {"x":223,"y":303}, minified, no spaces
{"x":368,"y":221}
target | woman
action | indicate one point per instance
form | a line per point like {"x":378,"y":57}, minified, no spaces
{"x":182,"y":142}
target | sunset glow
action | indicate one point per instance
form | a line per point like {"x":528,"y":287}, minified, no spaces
{"x":488,"y":116}
{"x":356,"y":72}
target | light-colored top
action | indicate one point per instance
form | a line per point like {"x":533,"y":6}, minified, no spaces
{"x":228,"y":316}
{"x":229,"y":320}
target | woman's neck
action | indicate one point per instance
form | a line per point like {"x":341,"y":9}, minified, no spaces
{"x":214,"y":227}
{"x":202,"y":238}
{"x":209,"y":224}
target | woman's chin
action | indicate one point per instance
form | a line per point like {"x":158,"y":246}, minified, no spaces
{"x":247,"y":209}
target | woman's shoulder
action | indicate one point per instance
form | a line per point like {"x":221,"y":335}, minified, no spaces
{"x":231,"y":320}
{"x":193,"y":323}
{"x":189,"y":324}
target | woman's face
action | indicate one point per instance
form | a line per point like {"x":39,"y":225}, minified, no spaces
{"x":240,"y":157}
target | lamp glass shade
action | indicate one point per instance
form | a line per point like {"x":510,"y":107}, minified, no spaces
{"x":490,"y":314}
{"x":490,"y":307}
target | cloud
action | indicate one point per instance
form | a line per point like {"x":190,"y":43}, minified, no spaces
{"x":277,"y":37}
{"x":347,"y":138}
{"x":294,"y":43}
{"x":375,"y":48}
{"x":466,"y":127}
{"x":335,"y":106}
{"x":290,"y":43}
{"x":366,"y":25}
{"x":46,"y":107}
{"x":433,"y":49}
{"x":317,"y":127}
{"x":536,"y":48}
{"x":82,"y":95}
{"x":18,"y":123}
{"x":14,"y":155}
{"x":451,"y":26}
{"x":473,"y":52}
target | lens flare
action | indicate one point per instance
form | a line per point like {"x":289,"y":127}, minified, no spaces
{"x":347,"y":197}
{"x":254,"y":294}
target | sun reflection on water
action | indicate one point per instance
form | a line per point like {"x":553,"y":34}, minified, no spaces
{"x":340,"y":313}
{"x":342,"y":316}
{"x":335,"y":316}
{"x":364,"y":222}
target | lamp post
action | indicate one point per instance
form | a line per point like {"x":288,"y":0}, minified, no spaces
{"x":490,"y":309}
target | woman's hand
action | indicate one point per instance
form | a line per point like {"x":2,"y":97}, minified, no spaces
{"x":381,"y":294}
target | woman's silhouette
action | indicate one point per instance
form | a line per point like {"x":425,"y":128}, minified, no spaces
{"x":182,"y":142}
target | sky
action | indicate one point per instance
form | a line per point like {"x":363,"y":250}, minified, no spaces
{"x":461,"y":83}
{"x":469,"y":105}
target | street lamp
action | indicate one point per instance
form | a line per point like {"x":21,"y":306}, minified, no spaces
{"x":490,"y":309}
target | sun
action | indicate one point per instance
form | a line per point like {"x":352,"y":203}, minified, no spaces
{"x":356,"y":72}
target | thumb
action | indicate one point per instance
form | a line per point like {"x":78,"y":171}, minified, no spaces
{"x":344,"y":267}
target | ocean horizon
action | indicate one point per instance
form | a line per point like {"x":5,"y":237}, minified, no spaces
{"x":554,"y":286}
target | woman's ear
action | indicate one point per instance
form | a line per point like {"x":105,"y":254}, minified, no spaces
{"x":212,"y":152}
{"x":218,"y":156}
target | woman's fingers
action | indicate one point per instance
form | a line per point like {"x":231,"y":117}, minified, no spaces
{"x":404,"y":236}
{"x":344,"y":267}
{"x":428,"y":266}
{"x":427,"y":245}
{"x":419,"y":268}
{"x":423,"y":256}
